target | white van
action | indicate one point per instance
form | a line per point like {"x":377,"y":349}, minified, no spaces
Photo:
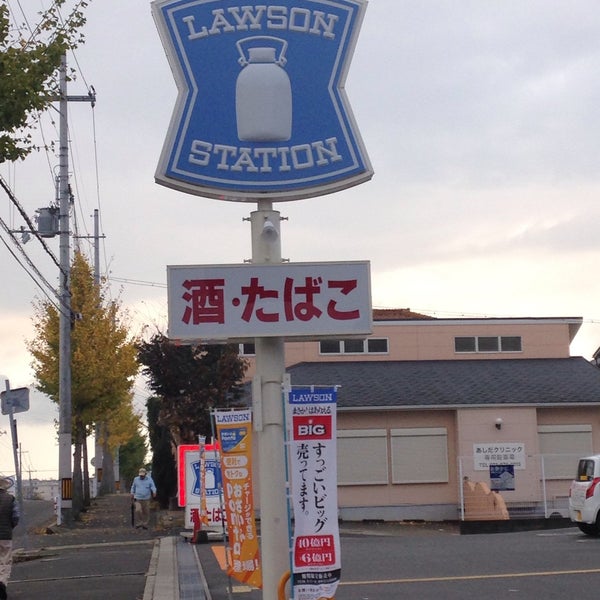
{"x":584,"y":495}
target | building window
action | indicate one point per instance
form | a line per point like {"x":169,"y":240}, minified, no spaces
{"x":352,"y":346}
{"x":377,"y":345}
{"x":362,"y":456}
{"x":511,"y":343}
{"x":330,"y":347}
{"x":487,"y":344}
{"x":561,"y":447}
{"x":420,"y":455}
{"x":464,"y":344}
{"x":247,"y":349}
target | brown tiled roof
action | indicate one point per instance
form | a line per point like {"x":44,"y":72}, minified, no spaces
{"x":396,"y":314}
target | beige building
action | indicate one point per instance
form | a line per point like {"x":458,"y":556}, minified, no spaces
{"x":425,"y":404}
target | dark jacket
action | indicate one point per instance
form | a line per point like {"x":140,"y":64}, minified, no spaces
{"x":9,"y":515}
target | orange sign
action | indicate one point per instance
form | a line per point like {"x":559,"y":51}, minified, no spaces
{"x":234,"y":431}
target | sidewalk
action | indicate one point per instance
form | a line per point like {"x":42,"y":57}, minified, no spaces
{"x":110,"y":558}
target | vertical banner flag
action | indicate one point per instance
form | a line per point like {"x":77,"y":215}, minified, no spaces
{"x":196,"y":481}
{"x":203,"y":515}
{"x":316,"y":561}
{"x":234,"y":431}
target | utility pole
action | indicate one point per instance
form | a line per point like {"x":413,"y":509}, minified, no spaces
{"x":65,"y":469}
{"x":98,"y":450}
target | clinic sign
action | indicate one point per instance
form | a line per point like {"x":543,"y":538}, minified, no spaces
{"x":236,"y":302}
{"x":496,"y":454}
{"x":261,"y":109}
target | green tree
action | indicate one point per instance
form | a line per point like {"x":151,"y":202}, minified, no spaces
{"x":103,"y":367}
{"x":164,"y":468}
{"x":188,"y":382}
{"x":132,"y":455}
{"x":29,"y":62}
{"x":116,"y":427}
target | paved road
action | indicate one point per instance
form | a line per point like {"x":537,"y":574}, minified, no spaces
{"x":438,"y":563}
{"x":554,"y":564}
{"x":115,"y":570}
{"x":100,"y":557}
{"x":37,"y":513}
{"x":379,"y":562}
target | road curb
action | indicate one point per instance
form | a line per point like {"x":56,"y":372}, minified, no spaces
{"x":151,"y":575}
{"x":162,"y":582}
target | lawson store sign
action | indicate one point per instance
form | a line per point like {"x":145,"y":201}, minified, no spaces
{"x":261,"y":109}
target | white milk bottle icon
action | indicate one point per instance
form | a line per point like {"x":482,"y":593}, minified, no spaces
{"x":263,"y":94}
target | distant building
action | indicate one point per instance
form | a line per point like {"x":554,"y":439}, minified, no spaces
{"x":36,"y":489}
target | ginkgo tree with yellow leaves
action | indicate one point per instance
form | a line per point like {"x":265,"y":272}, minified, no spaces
{"x":103,"y":368}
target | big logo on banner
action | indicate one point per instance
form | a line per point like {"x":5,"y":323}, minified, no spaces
{"x":261,"y":110}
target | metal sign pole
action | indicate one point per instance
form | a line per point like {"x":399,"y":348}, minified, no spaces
{"x":15,"y":445}
{"x":270,"y":369}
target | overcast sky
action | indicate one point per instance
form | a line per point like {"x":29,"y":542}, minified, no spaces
{"x":480,"y":119}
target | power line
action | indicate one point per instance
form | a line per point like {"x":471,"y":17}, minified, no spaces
{"x":27,"y":220}
{"x":137,"y":282}
{"x":28,"y":273}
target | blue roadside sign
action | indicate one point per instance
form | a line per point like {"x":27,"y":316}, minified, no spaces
{"x":261,"y":109}
{"x":16,"y":400}
{"x":502,"y":478}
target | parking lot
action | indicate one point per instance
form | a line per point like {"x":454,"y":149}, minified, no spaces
{"x":436,"y":562}
{"x":443,"y":564}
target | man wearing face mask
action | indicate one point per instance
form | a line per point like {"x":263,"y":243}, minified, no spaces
{"x":142,"y":491}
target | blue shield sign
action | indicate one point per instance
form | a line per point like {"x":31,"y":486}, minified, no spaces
{"x":212,"y":477}
{"x":261,"y":110}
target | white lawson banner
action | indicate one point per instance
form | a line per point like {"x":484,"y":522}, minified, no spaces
{"x":233,"y":302}
{"x":316,"y":560}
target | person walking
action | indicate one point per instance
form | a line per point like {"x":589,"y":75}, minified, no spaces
{"x":9,"y":518}
{"x":142,"y":491}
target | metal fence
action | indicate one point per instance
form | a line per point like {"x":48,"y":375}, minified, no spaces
{"x":536,"y":487}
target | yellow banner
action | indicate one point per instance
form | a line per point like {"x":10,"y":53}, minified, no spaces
{"x":203,"y":506}
{"x":234,"y":431}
